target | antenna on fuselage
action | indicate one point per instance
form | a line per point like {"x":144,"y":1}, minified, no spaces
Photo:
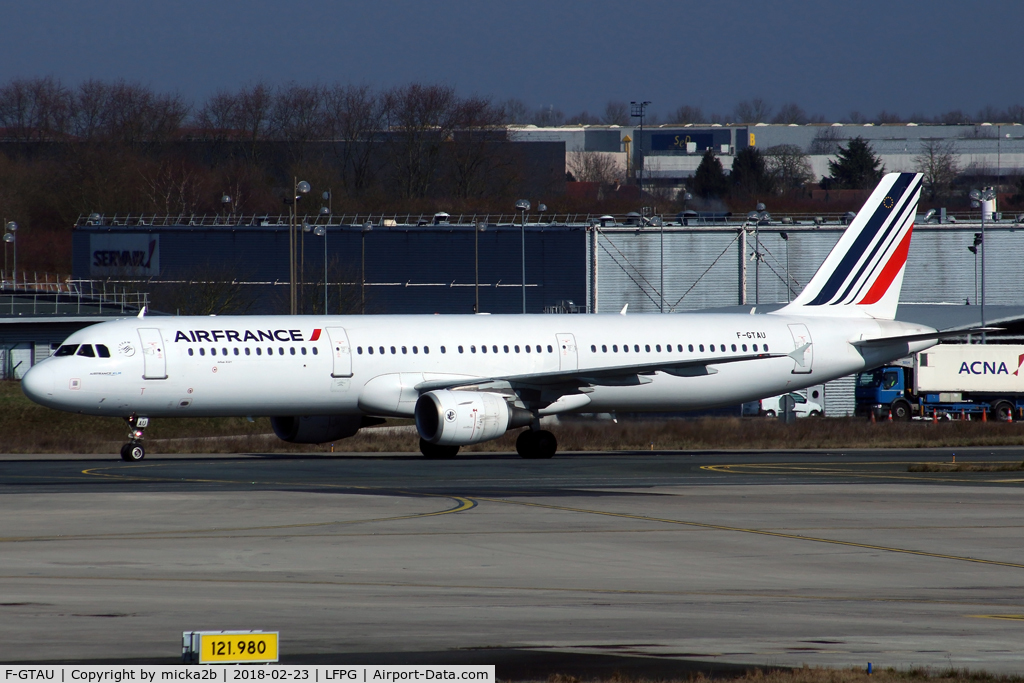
{"x":623,"y":311}
{"x":142,"y":312}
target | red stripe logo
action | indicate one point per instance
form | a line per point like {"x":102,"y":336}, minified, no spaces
{"x":315,"y":335}
{"x":889,"y":273}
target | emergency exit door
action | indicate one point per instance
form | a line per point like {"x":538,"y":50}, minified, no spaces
{"x":154,"y":354}
{"x":341,"y":351}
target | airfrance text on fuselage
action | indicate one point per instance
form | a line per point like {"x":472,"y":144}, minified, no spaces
{"x":197,"y":336}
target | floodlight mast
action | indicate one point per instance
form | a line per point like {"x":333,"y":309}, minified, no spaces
{"x":979,"y":199}
{"x":523,"y":205}
{"x":637,"y":110}
{"x":299,"y":188}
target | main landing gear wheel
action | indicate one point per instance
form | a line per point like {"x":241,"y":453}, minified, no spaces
{"x":433,"y":451}
{"x":536,"y":445}
{"x":132,"y":452}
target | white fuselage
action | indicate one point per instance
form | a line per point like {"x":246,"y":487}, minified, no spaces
{"x":323,"y":365}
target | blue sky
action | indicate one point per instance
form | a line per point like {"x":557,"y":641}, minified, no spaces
{"x":829,"y":57}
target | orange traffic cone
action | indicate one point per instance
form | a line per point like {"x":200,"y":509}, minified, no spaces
{"x":890,"y":416}
{"x":935,"y":416}
{"x":1009,"y":416}
{"x":984,"y":414}
{"x":872,"y":417}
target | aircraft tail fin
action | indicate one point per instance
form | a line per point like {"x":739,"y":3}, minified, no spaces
{"x":863,"y":274}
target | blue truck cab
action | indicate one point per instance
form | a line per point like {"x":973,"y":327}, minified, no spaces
{"x":883,"y":389}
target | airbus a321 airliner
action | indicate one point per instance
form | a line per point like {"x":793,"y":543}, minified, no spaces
{"x":470,"y":378}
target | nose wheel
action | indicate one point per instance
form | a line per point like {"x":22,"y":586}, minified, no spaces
{"x":134,"y":451}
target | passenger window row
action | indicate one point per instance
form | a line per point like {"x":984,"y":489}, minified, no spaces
{"x":83,"y":350}
{"x":679,"y":348}
{"x":248,"y":352}
{"x":395,"y":350}
{"x":483,"y":348}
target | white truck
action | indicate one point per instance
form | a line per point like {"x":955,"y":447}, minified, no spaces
{"x":948,"y":380}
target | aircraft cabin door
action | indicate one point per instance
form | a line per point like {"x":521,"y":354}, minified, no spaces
{"x":803,"y":349}
{"x":153,"y":353}
{"x":341,"y":351}
{"x":567,"y":357}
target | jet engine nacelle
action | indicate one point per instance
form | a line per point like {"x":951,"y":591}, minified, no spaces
{"x":459,"y":418}
{"x":319,"y":428}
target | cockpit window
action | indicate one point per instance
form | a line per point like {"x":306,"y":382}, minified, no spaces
{"x":102,"y":351}
{"x":66,"y":350}
{"x":86,"y":350}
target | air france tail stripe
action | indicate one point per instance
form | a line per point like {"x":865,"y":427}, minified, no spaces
{"x":889,"y":273}
{"x":867,"y":235}
{"x":900,"y":218}
{"x":905,"y":220}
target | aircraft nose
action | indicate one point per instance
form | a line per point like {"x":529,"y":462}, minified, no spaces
{"x":38,"y":383}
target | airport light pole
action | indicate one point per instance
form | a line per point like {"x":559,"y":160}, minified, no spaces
{"x":228,"y":207}
{"x":638,"y":110}
{"x":367,"y":227}
{"x":979,"y":199}
{"x":757,"y":217}
{"x":9,"y":238}
{"x":789,"y":290}
{"x":299,"y":188}
{"x":524,"y":206}
{"x":477,"y":229}
{"x":321,"y":231}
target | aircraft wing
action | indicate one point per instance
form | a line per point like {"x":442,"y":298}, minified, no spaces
{"x":620,"y":375}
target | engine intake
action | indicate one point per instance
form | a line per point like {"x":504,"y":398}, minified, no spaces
{"x":319,"y":428}
{"x":460,"y":418}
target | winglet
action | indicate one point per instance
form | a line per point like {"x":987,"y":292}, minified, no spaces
{"x":623,"y":311}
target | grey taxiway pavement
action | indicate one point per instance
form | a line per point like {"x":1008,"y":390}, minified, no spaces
{"x":650,"y":563}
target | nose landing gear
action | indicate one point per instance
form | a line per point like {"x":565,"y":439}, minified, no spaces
{"x":133,"y":451}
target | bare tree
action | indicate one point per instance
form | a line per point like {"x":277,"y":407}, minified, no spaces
{"x":472,"y":149}
{"x":687,"y":114}
{"x":421,"y":118}
{"x":953,"y":117}
{"x":548,"y":117}
{"x":132,"y":114}
{"x":990,"y":114}
{"x":791,"y":113}
{"x":297,"y":114}
{"x":594,"y":167}
{"x":938,"y":162}
{"x":175,"y":186}
{"x":1015,"y":113}
{"x":584,"y":118}
{"x":856,"y":117}
{"x":35,"y":109}
{"x":616,"y":113}
{"x":788,"y":167}
{"x":355,"y":117}
{"x":252,"y":115}
{"x":756,"y":110}
{"x":514,"y":111}
{"x":884,"y":117}
{"x":218,"y":117}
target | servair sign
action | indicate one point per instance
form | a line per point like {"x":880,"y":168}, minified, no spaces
{"x":124,"y":255}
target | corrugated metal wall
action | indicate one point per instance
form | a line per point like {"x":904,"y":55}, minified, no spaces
{"x":702,"y":265}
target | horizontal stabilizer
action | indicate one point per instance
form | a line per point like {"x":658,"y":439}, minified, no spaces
{"x":923,"y":336}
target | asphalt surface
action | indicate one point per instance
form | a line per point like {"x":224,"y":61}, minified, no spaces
{"x":651,"y":564}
